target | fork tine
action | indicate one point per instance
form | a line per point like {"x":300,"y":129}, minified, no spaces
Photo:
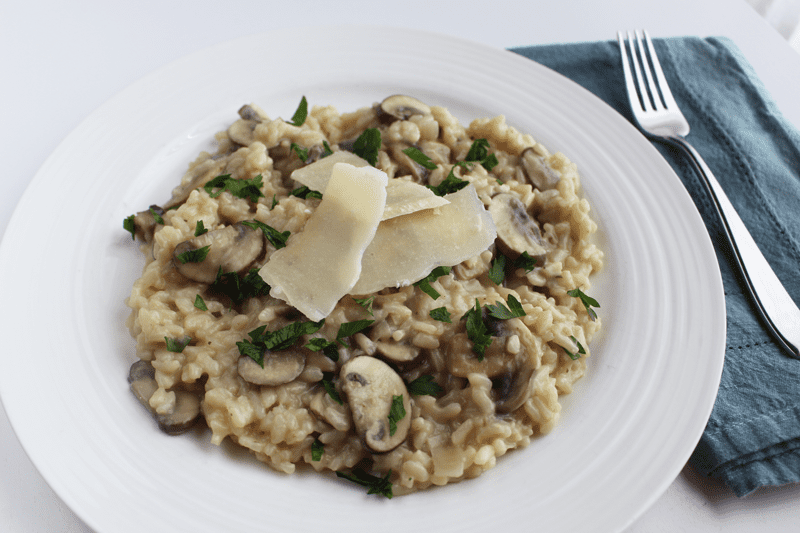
{"x":656,"y":99}
{"x":626,"y":70}
{"x":669,"y":101}
{"x":645,"y":99}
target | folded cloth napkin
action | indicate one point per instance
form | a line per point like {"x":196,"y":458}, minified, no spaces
{"x":753,"y":436}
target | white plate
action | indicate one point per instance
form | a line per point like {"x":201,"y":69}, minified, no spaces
{"x":67,"y":266}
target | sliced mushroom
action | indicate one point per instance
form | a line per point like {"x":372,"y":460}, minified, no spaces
{"x":187,"y":403}
{"x":408,"y":165}
{"x":250,"y":112}
{"x":540,"y":174}
{"x":144,"y":223}
{"x":232,"y":248}
{"x":371,"y":386}
{"x":279,"y":368}
{"x":242,"y":131}
{"x":401,"y":107}
{"x":517,"y":230}
{"x":401,"y":352}
{"x":200,"y":174}
{"x":512,"y":389}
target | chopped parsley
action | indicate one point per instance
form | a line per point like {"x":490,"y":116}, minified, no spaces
{"x":249,"y":189}
{"x":441,"y":314}
{"x":500,"y":311}
{"x":157,"y":216}
{"x":366,"y":303}
{"x":579,"y":353}
{"x":396,"y":413}
{"x":479,"y":153}
{"x":304,"y":192}
{"x":274,"y":202}
{"x":193,"y":256}
{"x":330,"y":388}
{"x":177,"y":345}
{"x":262,"y":340}
{"x":200,"y":303}
{"x":424,"y":386}
{"x":477,"y":331}
{"x":351,"y":328}
{"x":425,"y":283}
{"x":587,"y":301}
{"x":374,"y":484}
{"x":276,"y":238}
{"x":326,"y":149}
{"x":497,"y":272}
{"x":301,"y":152}
{"x":419,"y":157}
{"x":302,"y":112}
{"x":367,"y":145}
{"x":526,"y":261}
{"x":239,"y":288}
{"x":317,"y":449}
{"x":451,"y":183}
{"x":129,"y":225}
{"x":199,"y":228}
{"x":329,"y":348}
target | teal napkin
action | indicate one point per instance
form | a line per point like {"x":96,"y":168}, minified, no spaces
{"x":753,"y":436}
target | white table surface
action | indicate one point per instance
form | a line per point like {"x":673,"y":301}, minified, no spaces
{"x":60,"y":60}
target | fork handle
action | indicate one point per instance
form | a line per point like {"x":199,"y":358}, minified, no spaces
{"x":773,"y":303}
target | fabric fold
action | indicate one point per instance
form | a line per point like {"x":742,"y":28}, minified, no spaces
{"x":752,"y":438}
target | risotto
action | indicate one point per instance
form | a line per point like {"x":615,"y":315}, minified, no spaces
{"x":385,"y":294}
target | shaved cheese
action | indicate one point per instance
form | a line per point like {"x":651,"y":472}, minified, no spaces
{"x":316,"y":175}
{"x":405,"y":196}
{"x":323,"y":262}
{"x":405,"y":249}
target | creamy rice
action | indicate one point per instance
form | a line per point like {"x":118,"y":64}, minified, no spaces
{"x":455,"y":434}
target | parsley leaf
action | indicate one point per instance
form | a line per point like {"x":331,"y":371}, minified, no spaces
{"x":351,"y":328}
{"x":277,"y":238}
{"x":577,"y":355}
{"x":425,"y":283}
{"x":419,"y":157}
{"x":327,"y":149}
{"x":374,"y":484}
{"x":367,"y":145}
{"x":451,"y":183}
{"x":328,"y":348}
{"x":366,"y":303}
{"x":193,"y":256}
{"x":500,"y":311}
{"x":587,"y":301}
{"x":157,"y":216}
{"x":200,"y":303}
{"x":274,"y":202}
{"x":302,"y":112}
{"x":301,"y":152}
{"x":330,"y":388}
{"x":304,"y":192}
{"x":396,"y":413}
{"x":177,"y":345}
{"x":129,"y":225}
{"x":317,"y":449}
{"x":526,"y":261}
{"x":239,"y":288}
{"x":497,"y":272}
{"x":479,"y":152}
{"x":249,"y":189}
{"x":441,"y":314}
{"x":424,"y":386}
{"x":477,"y":331}
{"x":199,"y":228}
{"x":262,"y":340}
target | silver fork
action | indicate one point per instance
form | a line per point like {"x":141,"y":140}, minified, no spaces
{"x":655,"y":110}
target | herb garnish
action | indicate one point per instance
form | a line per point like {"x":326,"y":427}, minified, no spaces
{"x":581,"y":351}
{"x":441,"y":314}
{"x":304,"y":192}
{"x":451,"y":183}
{"x":274,"y":202}
{"x":366,"y":303}
{"x":300,"y":115}
{"x":587,"y":301}
{"x":479,"y":152}
{"x":374,"y":484}
{"x":424,"y":386}
{"x":200,"y":303}
{"x":199,"y":228}
{"x":249,"y":189}
{"x":177,"y":345}
{"x":157,"y":216}
{"x":500,"y":311}
{"x":329,"y":348}
{"x":317,"y":449}
{"x":129,"y":225}
{"x":327,"y":149}
{"x":425,"y":283}
{"x":239,"y":288}
{"x":330,"y":388}
{"x":396,"y":413}
{"x":301,"y":152}
{"x":262,"y":340}
{"x":477,"y":331}
{"x":193,"y":256}
{"x":351,"y":328}
{"x":367,"y":145}
{"x":276,"y":238}
{"x":526,"y":261}
{"x":419,"y":157}
{"x":497,"y":272}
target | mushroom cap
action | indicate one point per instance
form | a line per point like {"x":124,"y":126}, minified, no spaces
{"x":279,"y":368}
{"x":538,"y":171}
{"x":232,"y":248}
{"x":517,"y":230}
{"x":402,"y":107}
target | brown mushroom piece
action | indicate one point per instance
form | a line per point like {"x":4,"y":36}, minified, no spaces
{"x":512,"y":389}
{"x":517,"y":230}
{"x":371,"y":386}
{"x":279,"y":367}
{"x":232,"y":248}
{"x":401,"y":107}
{"x":408,"y":165}
{"x":538,"y":172}
{"x":187,"y":403}
{"x":144,"y":223}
